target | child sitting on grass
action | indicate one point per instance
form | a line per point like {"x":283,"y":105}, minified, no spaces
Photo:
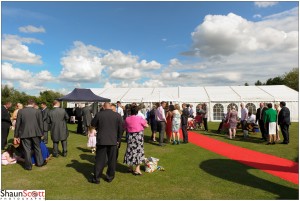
{"x":8,"y":156}
{"x":92,"y":138}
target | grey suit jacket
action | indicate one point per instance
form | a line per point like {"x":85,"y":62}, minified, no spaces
{"x":45,"y":119}
{"x":87,"y":116}
{"x":57,"y":119}
{"x":29,"y":123}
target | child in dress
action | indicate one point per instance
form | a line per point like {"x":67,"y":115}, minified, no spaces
{"x":92,"y":138}
{"x":8,"y":157}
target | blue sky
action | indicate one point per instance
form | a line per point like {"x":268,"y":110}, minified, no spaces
{"x":62,"y":45}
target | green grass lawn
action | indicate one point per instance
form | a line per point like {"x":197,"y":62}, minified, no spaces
{"x":191,"y":173}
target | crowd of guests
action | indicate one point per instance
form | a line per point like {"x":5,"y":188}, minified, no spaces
{"x":269,"y":120}
{"x":106,"y":126}
{"x":31,"y":125}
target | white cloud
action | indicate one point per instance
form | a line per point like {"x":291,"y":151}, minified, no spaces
{"x":44,"y":76}
{"x":153,"y":83}
{"x":109,"y":85}
{"x":257,"y":16}
{"x":126,"y":73}
{"x":284,"y":21}
{"x":27,"y":80}
{"x":87,"y":63}
{"x":81,"y":63}
{"x":117,"y":59}
{"x":164,"y":39}
{"x":221,"y":35}
{"x":169,"y":76}
{"x":11,"y":73}
{"x":264,"y":4}
{"x":13,"y":49}
{"x":144,"y":65}
{"x":25,"y":85}
{"x":32,"y":29}
{"x":175,"y":63}
{"x":8,"y":83}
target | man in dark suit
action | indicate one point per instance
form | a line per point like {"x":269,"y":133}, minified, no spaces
{"x":45,"y":112}
{"x":284,"y":120}
{"x":260,"y":119}
{"x":109,"y":127}
{"x":184,"y":122}
{"x":78,"y":115}
{"x":58,"y":118}
{"x":5,"y":123}
{"x":87,"y":118}
{"x":29,"y":129}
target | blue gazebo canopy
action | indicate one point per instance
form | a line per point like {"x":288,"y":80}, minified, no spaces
{"x":80,"y":95}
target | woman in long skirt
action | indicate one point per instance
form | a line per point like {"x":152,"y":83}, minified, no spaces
{"x":134,"y":155}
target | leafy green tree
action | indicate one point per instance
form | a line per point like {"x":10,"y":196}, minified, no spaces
{"x":246,"y":84}
{"x":291,"y":79}
{"x":258,"y":83}
{"x":275,"y":81}
{"x":48,"y":97}
{"x":14,"y":96}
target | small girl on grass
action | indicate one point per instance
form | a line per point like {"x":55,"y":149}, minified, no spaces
{"x":8,"y":157}
{"x":92,"y":139}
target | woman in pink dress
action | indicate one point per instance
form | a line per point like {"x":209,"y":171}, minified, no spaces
{"x":134,"y":155}
{"x":92,"y":138}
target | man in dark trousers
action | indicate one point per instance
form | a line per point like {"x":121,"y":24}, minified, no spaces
{"x":109,"y":131}
{"x":284,"y":120}
{"x":78,"y":115}
{"x":260,"y":119}
{"x":87,"y":118}
{"x":58,"y":119}
{"x":5,"y":123}
{"x":45,"y":112}
{"x":29,"y":129}
{"x":184,"y":122}
{"x":160,"y":117}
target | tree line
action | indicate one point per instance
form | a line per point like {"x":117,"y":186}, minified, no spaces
{"x":14,"y":96}
{"x":290,"y":79}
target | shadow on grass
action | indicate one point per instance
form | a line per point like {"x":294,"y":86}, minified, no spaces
{"x":91,"y":158}
{"x":234,"y":172}
{"x":84,"y":149}
{"x":147,"y":139}
{"x":88,"y":157}
{"x":82,"y":168}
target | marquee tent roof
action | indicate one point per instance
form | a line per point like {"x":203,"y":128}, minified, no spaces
{"x":201,"y":94}
{"x":83,"y":95}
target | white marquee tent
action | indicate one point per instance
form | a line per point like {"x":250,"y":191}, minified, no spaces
{"x":218,"y":98}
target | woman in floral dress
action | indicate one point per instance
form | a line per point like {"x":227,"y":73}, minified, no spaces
{"x":135,"y":143}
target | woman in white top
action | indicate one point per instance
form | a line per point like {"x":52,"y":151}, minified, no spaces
{"x":176,"y":124}
{"x":15,"y":114}
{"x":277,"y":108}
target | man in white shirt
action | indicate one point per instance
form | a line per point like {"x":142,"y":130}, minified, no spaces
{"x":160,"y":117}
{"x":244,"y":116}
{"x":192,"y":111}
{"x":120,"y":109}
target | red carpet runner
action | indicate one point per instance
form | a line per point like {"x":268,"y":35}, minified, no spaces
{"x":280,"y":167}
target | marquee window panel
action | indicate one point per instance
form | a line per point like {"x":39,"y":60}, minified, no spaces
{"x":218,"y":111}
